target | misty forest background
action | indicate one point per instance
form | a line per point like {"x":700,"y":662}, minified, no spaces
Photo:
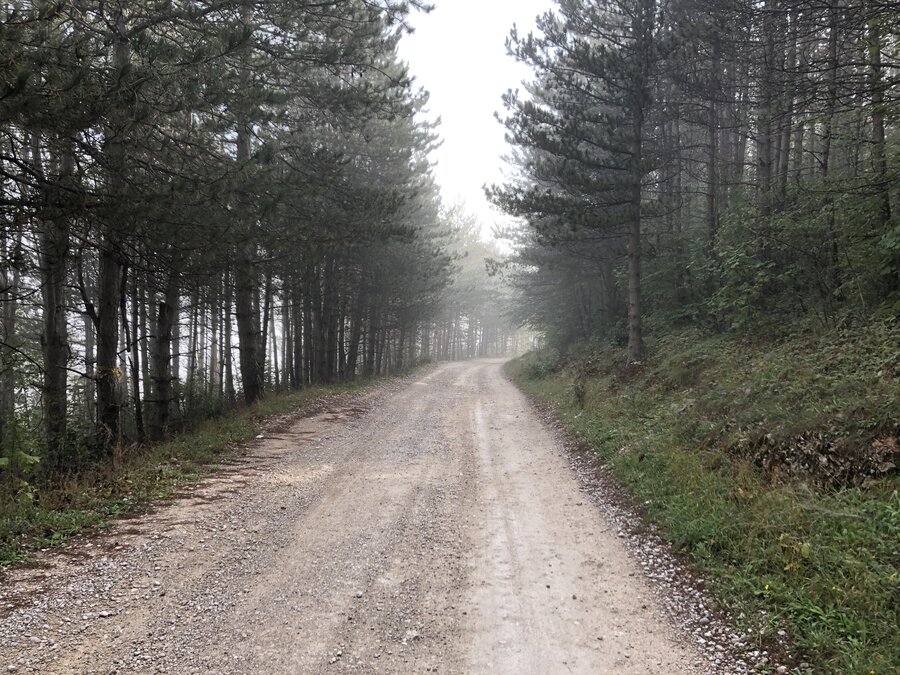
{"x":206,"y":202}
{"x":726,"y":162}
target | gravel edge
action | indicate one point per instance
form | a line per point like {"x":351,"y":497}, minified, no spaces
{"x":683,"y":594}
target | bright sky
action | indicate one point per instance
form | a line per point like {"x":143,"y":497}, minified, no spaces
{"x":458,"y":54}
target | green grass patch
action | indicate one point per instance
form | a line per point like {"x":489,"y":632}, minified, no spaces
{"x":769,"y":464}
{"x":46,"y":514}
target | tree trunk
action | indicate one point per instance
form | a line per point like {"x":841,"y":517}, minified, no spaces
{"x":712,"y":162}
{"x":212,"y":375}
{"x":87,"y":286}
{"x":833,"y":274}
{"x":329,"y":320}
{"x":262,"y":352}
{"x":227,"y":355}
{"x":193,"y":330}
{"x":109,"y":283}
{"x":426,"y":342}
{"x":131,"y":339}
{"x":54,"y":249}
{"x":202,"y":344}
{"x":297,"y":317}
{"x":832,"y":90}
{"x":879,"y":158}
{"x":764,"y":132}
{"x":371,"y":341}
{"x":342,"y":345}
{"x":247,"y":325}
{"x":143,"y":333}
{"x":166,"y":318}
{"x":643,"y":30}
{"x":176,"y":347}
{"x":413,"y":340}
{"x":287,"y":345}
{"x":308,"y":348}
{"x":635,"y":332}
{"x":108,"y":375}
{"x":789,"y":82}
{"x":379,"y":347}
{"x":275,"y":373}
{"x":220,"y":320}
{"x":399,"y":360}
{"x":321,"y":329}
{"x":9,"y":285}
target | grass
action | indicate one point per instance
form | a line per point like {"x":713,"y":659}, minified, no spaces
{"x":768,"y":464}
{"x":43,"y":515}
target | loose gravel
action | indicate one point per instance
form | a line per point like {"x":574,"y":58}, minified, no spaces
{"x":433,"y":525}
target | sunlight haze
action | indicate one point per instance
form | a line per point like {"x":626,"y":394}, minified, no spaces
{"x":458,"y":54}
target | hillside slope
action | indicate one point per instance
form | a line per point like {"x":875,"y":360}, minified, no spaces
{"x":772,"y":465}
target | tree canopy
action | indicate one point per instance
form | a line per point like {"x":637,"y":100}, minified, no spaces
{"x":203,"y":201}
{"x":728,"y":163}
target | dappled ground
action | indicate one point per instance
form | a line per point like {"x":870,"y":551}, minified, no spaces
{"x":432,"y":525}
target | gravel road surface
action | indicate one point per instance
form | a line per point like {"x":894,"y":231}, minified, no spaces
{"x":432,"y":525}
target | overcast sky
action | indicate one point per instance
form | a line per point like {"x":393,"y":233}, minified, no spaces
{"x":458,"y":54}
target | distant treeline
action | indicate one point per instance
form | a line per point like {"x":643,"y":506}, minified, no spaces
{"x":205,"y":201}
{"x":728,"y":162}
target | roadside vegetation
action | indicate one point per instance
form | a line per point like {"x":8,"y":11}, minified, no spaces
{"x":47,"y":512}
{"x":769,"y":462}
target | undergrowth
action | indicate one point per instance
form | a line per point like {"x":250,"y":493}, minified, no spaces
{"x":769,"y":463}
{"x":47,"y":513}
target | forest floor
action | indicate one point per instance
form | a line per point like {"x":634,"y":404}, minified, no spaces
{"x":432,"y":524}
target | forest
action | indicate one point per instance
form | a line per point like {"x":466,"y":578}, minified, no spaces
{"x":730,"y":163}
{"x":219,"y":213}
{"x":206,"y":202}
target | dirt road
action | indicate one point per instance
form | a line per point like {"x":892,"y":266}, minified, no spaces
{"x":432,"y":526}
